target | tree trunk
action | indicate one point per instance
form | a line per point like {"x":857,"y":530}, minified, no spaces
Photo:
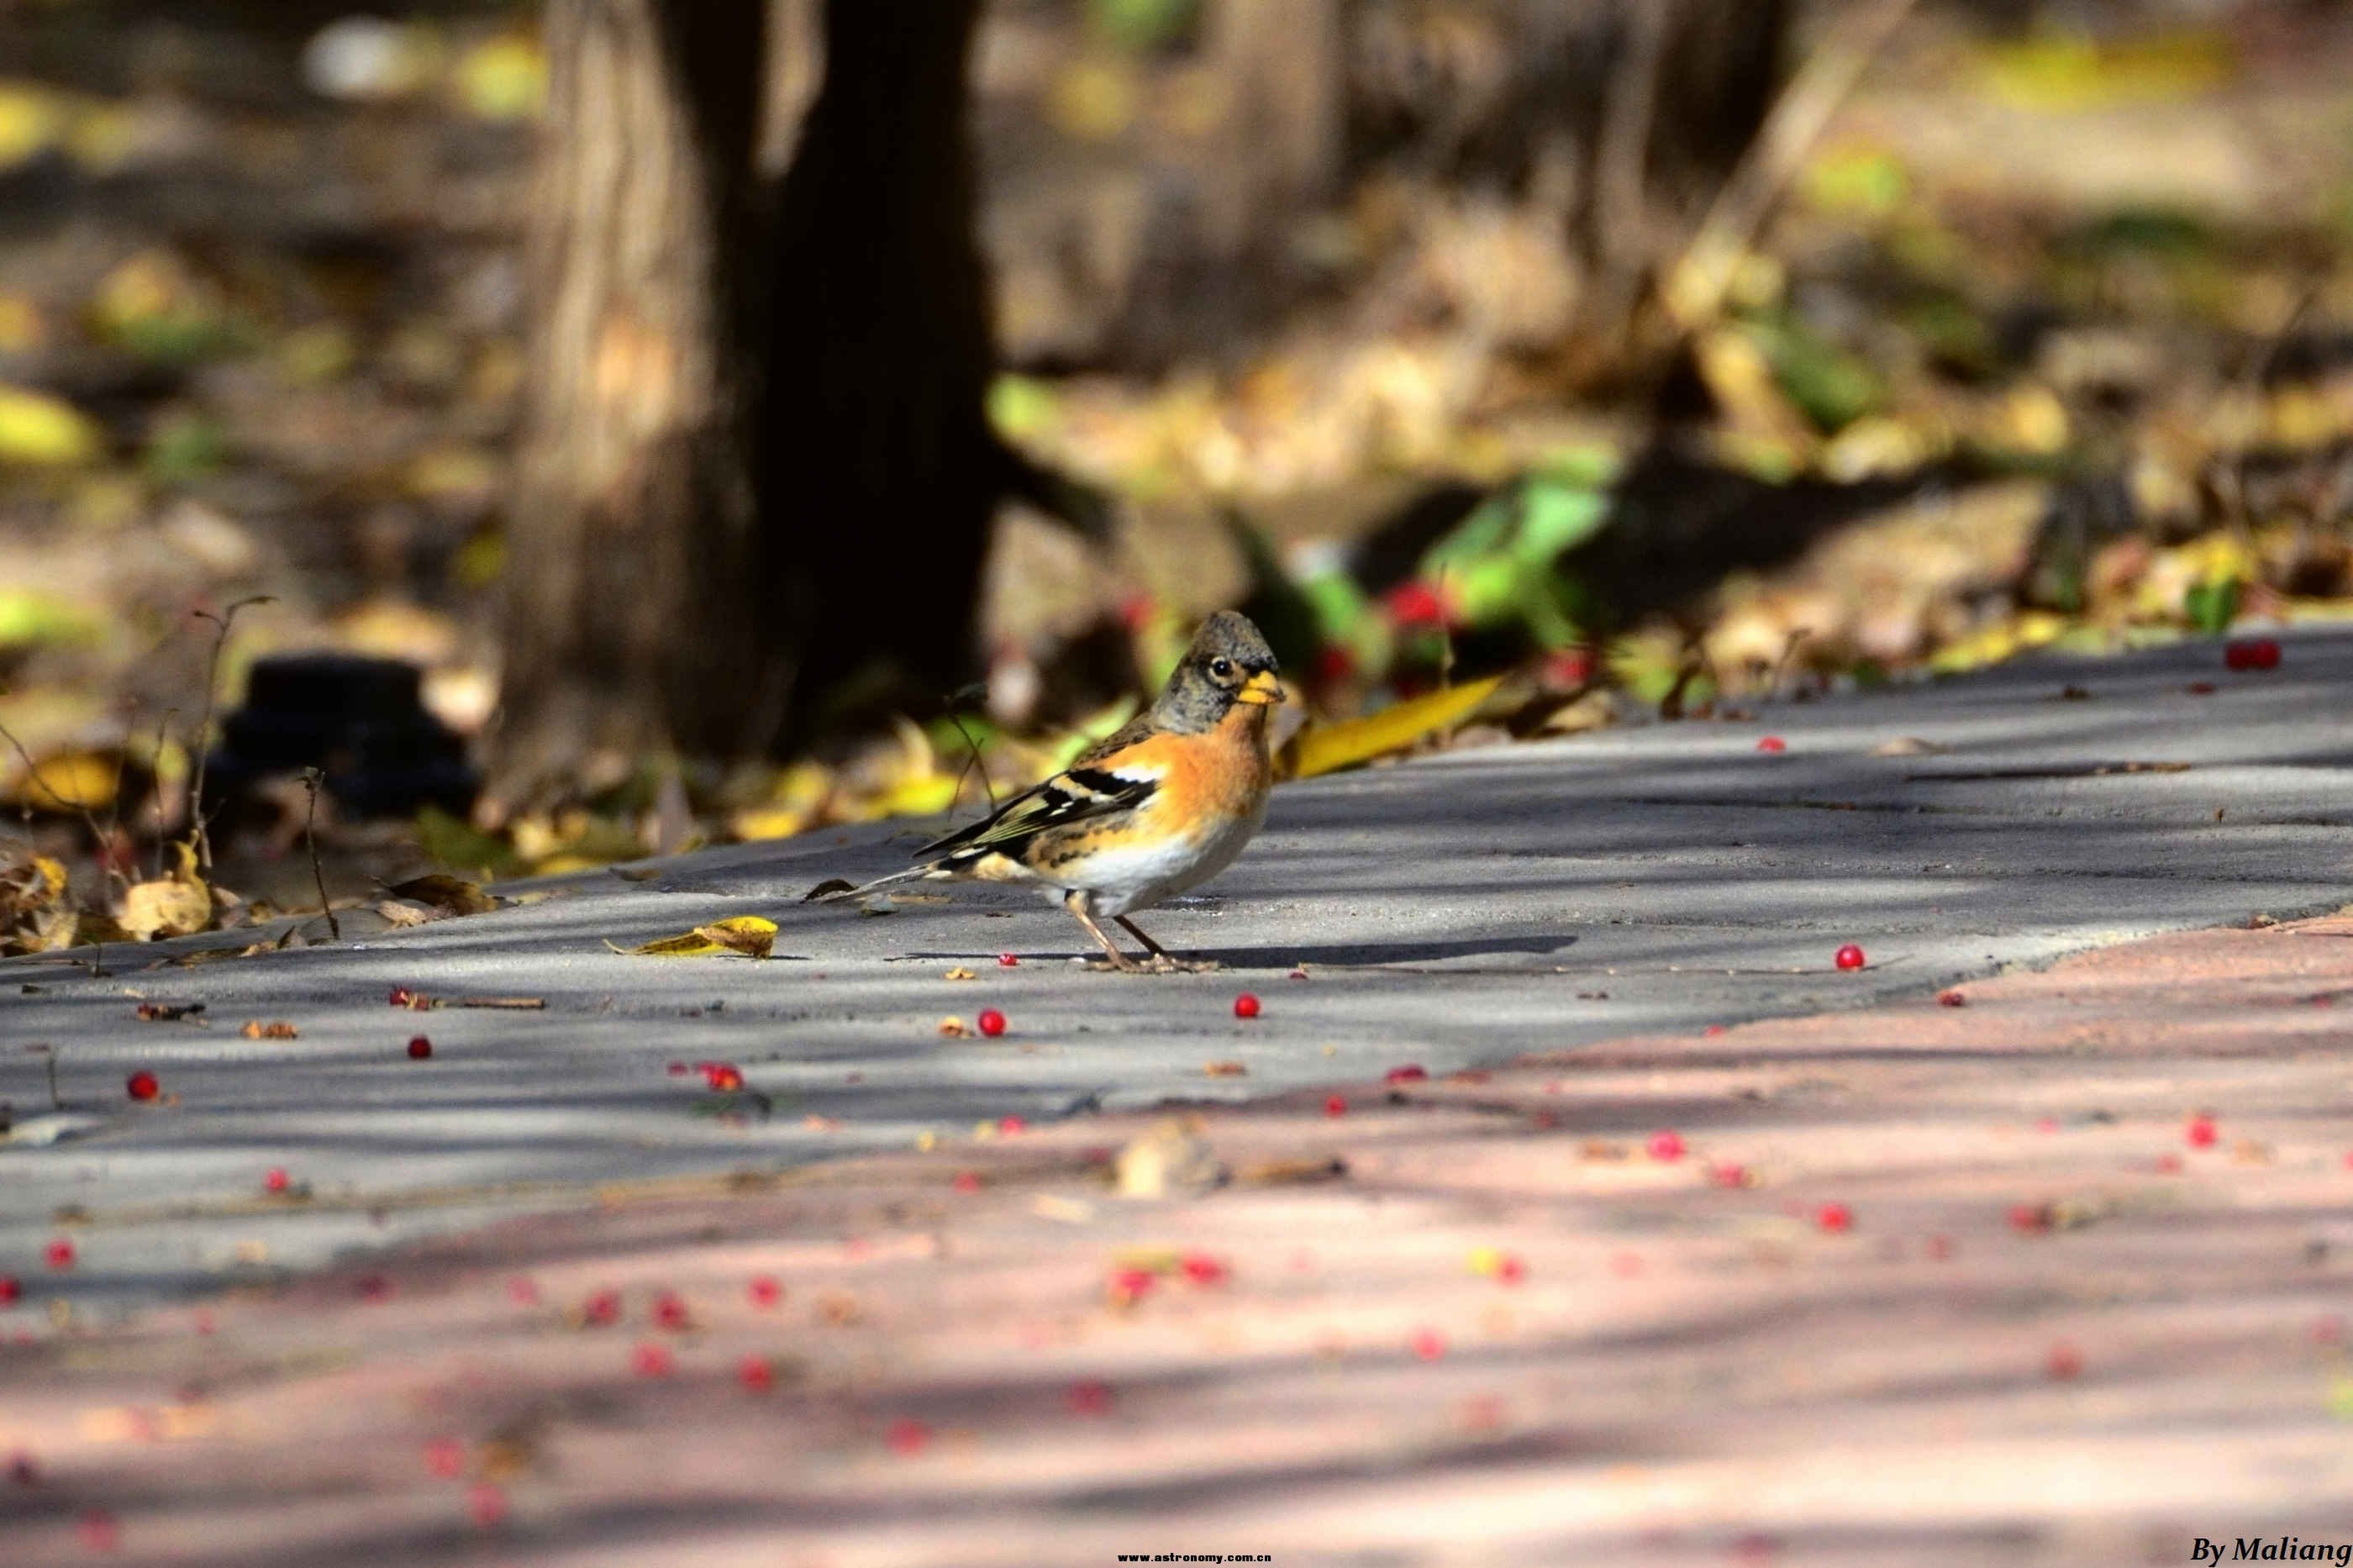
{"x":635,"y":511}
{"x":878,"y":451}
{"x":756,"y":472}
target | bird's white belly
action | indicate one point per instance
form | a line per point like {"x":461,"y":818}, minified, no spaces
{"x":1121,"y":881}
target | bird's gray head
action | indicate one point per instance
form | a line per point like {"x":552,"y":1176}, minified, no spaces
{"x":1229,"y":664}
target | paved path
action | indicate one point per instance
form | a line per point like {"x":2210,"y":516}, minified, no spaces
{"x":1455,"y":911}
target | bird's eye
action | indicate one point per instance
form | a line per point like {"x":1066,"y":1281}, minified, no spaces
{"x":1221,"y":668}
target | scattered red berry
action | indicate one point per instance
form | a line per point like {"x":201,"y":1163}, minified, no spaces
{"x":2251,"y":653}
{"x":1666,"y":1144}
{"x":1411,"y":1072}
{"x":1772,"y":743}
{"x":1850,"y":957}
{"x":2200,"y":688}
{"x":1428,"y":1344}
{"x":2200,"y":1132}
{"x":1569,"y":666}
{"x":60,"y":1253}
{"x":420,"y":1048}
{"x":487,"y":1503}
{"x":1296,"y":974}
{"x":374,"y":1287}
{"x":765,"y":1290}
{"x":1951,"y":999}
{"x":98,"y":1532}
{"x":723,"y":1076}
{"x":11,"y":1289}
{"x":1939,"y":1248}
{"x":2046,"y":1124}
{"x":670,"y":1312}
{"x":1131,"y":1285}
{"x":522,"y":1290}
{"x":755,"y":1374}
{"x":1509,"y":1269}
{"x":2030,"y":1218}
{"x":401,"y":996}
{"x":1088,"y":1398}
{"x":445,"y":1456}
{"x":1011,"y":1127}
{"x":1416,"y":604}
{"x":992,"y":1022}
{"x":967,"y":1181}
{"x":2168,"y":1163}
{"x":1834,"y":1217}
{"x":1728,"y":1173}
{"x":142,"y":1085}
{"x":1203,"y":1269}
{"x":908,"y":1437}
{"x":1337,"y":1105}
{"x":1712,"y":1031}
{"x":1246,"y":1005}
{"x":2064,"y":1361}
{"x":204,"y":1321}
{"x":274,"y":1180}
{"x":650,"y":1360}
{"x":1008,"y":960}
{"x":602,"y":1309}
{"x":675,"y":1069}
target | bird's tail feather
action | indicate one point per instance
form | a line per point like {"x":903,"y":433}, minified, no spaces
{"x":826,"y":893}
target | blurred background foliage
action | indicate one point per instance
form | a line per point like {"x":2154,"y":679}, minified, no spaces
{"x":2041,"y":338}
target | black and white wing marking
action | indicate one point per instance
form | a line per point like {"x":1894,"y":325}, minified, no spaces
{"x":1079,"y":794}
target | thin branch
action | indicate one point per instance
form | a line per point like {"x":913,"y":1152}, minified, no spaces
{"x":196,"y":826}
{"x":311,"y":777}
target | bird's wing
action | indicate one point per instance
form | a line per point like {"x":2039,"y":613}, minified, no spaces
{"x":1079,"y":794}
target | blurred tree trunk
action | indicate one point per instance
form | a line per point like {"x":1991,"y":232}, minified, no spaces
{"x":756,"y":464}
{"x":636,"y":508}
{"x":1284,"y":66}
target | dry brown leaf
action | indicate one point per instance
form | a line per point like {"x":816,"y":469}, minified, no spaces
{"x":450,"y":895}
{"x":400,"y":916}
{"x":165,"y":907}
{"x":279,"y":1029}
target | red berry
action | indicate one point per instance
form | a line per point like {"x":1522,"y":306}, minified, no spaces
{"x":374,"y":1287}
{"x":1728,"y":1173}
{"x":2201,"y":1132}
{"x":420,"y":1048}
{"x":1246,"y":1005}
{"x":1011,"y":1127}
{"x":1416,"y":604}
{"x":1510,"y":1270}
{"x":1666,"y":1144}
{"x":765,"y":1290}
{"x":2046,"y":1124}
{"x":1712,"y":1031}
{"x":2251,"y":653}
{"x":1130,"y":1285}
{"x":670,"y":1312}
{"x":1088,"y":1398}
{"x":755,"y":1374}
{"x":11,"y":1289}
{"x":60,"y":1253}
{"x":142,"y":1085}
{"x":522,"y":1290}
{"x":723,"y":1076}
{"x":274,"y":1180}
{"x":602,"y":1309}
{"x":1834,"y":1217}
{"x":675,"y":1069}
{"x":1772,"y":743}
{"x":445,"y":1456}
{"x":2064,"y":1361}
{"x":98,"y":1532}
{"x":650,"y":1360}
{"x":1940,"y":1248}
{"x":2168,"y":1163}
{"x":1850,"y":957}
{"x":1428,"y":1344}
{"x":1411,"y":1072}
{"x":1008,"y":960}
{"x":1203,"y":1269}
{"x":2029,"y":1218}
{"x":487,"y":1502}
{"x":401,"y":996}
{"x":1951,"y":999}
{"x":908,"y":1437}
{"x":967,"y":1181}
{"x":1337,"y":1105}
{"x":992,"y":1022}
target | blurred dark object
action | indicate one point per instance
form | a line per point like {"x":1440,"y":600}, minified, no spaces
{"x":359,"y":721}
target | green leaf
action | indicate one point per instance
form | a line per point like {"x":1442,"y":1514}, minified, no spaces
{"x":2213,"y":606}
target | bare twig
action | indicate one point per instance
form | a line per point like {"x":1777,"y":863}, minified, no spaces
{"x":222,"y":622}
{"x":976,"y":765}
{"x":311,"y":777}
{"x":1696,"y":286}
{"x":34,"y":770}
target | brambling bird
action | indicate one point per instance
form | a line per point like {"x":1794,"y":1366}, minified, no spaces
{"x":1162,"y":805}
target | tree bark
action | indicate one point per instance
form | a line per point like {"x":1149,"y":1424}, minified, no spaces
{"x":756,"y":478}
{"x":635,"y":508}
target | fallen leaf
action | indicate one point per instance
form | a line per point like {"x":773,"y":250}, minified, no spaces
{"x":165,"y":907}
{"x":751,"y":935}
{"x":449,"y":895}
{"x":1326,"y":748}
{"x":255,"y":1029}
{"x":400,"y":916}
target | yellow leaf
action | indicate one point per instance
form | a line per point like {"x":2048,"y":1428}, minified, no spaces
{"x":169,"y":908}
{"x":30,"y":123}
{"x":1325,"y":748}
{"x":748,"y":934}
{"x":38,"y":429}
{"x":504,"y":78}
{"x":70,"y":781}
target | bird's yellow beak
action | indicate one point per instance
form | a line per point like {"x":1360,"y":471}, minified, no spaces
{"x":1261,"y":689}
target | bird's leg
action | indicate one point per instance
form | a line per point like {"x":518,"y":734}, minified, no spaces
{"x":1162,"y":958}
{"x":1076,"y":903}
